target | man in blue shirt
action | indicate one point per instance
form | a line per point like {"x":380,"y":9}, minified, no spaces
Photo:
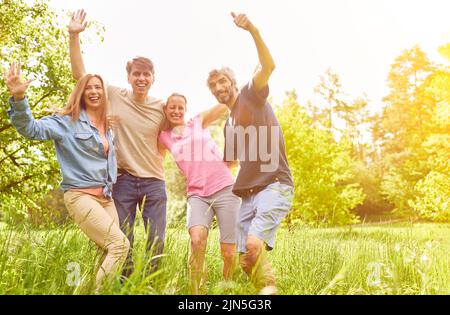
{"x":264,"y":182}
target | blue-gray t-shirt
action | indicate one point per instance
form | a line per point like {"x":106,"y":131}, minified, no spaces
{"x":253,"y":136}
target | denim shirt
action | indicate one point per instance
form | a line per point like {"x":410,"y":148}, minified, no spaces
{"x":79,"y":148}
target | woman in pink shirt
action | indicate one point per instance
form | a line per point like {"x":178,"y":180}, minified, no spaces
{"x":209,"y":183}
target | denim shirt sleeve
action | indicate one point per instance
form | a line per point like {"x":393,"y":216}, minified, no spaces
{"x":46,"y":128}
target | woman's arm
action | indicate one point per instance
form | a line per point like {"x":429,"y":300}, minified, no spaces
{"x":20,"y":114}
{"x":162,"y":148}
{"x":76,"y":26}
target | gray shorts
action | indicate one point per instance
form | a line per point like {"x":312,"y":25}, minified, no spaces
{"x":261,"y":214}
{"x":224,"y":204}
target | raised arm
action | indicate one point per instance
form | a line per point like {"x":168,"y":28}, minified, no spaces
{"x":211,"y":115}
{"x":16,"y":86}
{"x":76,"y":26}
{"x":20,"y":114}
{"x":262,"y":75}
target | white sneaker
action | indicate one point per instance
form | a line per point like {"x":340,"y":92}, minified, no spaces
{"x":269,"y":290}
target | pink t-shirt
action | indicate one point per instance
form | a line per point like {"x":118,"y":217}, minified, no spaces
{"x":198,"y":158}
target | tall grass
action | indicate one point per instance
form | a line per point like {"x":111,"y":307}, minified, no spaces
{"x":393,"y":259}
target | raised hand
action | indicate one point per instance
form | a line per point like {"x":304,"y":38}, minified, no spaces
{"x":77,"y":23}
{"x":261,"y":75}
{"x":15,"y":83}
{"x":242,"y":21}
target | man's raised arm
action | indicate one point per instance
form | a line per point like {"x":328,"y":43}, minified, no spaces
{"x":262,"y":75}
{"x":76,"y":26}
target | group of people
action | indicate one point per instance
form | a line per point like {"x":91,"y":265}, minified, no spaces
{"x":110,"y":143}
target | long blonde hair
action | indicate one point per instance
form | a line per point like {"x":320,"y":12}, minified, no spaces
{"x":76,"y":102}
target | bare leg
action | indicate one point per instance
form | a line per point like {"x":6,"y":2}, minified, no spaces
{"x":229,"y":259}
{"x":199,"y":237}
{"x":256,"y":265}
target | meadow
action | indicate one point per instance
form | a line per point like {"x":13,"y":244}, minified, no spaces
{"x":401,"y":258}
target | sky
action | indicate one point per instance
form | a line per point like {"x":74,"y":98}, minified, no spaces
{"x":358,"y":39}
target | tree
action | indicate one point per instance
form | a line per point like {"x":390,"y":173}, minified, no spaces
{"x":31,"y":34}
{"x":324,"y":190}
{"x":406,"y":122}
{"x":329,"y":88}
{"x":339,"y":114}
{"x":433,"y":191}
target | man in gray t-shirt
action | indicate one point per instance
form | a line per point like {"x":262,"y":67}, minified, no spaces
{"x":136,"y":119}
{"x":264,"y":182}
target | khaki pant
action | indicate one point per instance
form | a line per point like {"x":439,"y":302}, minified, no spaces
{"x":97,"y":218}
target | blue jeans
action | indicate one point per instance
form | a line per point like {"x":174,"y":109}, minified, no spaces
{"x":150,"y":195}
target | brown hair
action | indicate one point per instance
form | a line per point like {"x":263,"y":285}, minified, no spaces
{"x":142,"y":61}
{"x":166,"y":124}
{"x":174,"y":95}
{"x":226,"y":72}
{"x":76,"y":102}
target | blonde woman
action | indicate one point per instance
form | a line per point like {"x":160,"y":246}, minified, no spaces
{"x":86,"y":158}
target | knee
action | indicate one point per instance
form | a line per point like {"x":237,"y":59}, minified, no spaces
{"x":254,"y":247}
{"x":228,"y":254}
{"x":121,"y":247}
{"x":245,"y":262}
{"x":198,"y":242}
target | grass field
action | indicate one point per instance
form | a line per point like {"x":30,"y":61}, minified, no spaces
{"x":400,"y":258}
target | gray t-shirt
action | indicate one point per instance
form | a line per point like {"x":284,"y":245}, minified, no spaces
{"x":136,"y":128}
{"x":253,"y":136}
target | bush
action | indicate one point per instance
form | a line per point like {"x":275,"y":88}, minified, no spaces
{"x":432,"y":197}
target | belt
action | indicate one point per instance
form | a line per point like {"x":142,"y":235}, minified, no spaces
{"x":251,"y":191}
{"x":254,"y":190}
{"x":121,"y":171}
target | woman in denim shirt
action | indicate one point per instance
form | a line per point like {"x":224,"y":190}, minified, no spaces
{"x":86,"y":157}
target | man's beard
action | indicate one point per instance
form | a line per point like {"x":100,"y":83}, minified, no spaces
{"x":224,"y":97}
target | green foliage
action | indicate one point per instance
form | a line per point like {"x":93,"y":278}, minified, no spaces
{"x":176,"y":193}
{"x":375,"y":203}
{"x":432,"y":193}
{"x":432,"y":199}
{"x":390,"y":259}
{"x":31,"y":34}
{"x":415,"y":128}
{"x":324,"y":191}
{"x":405,"y":166}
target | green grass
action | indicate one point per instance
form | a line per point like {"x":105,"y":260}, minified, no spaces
{"x":387,"y":259}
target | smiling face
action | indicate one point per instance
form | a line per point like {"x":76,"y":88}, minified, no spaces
{"x":175,"y":109}
{"x":93,"y":94}
{"x":222,"y":88}
{"x":141,"y":79}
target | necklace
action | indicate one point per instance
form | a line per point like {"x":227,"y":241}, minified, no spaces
{"x":178,"y":130}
